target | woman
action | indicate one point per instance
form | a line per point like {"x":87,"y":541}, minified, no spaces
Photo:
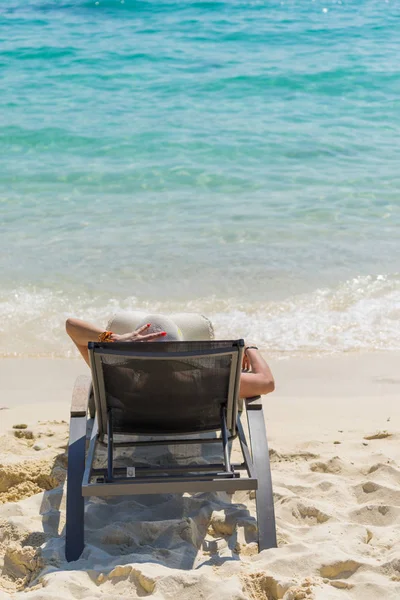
{"x":256,"y":378}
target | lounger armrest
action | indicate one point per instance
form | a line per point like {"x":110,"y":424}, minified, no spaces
{"x":80,"y":396}
{"x":253,"y":403}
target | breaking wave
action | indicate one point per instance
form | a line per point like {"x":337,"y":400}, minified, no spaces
{"x":362,"y":314}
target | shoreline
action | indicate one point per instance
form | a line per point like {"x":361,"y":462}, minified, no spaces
{"x":355,"y":315}
{"x":345,"y":385}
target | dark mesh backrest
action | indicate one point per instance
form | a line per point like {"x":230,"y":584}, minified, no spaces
{"x":165,"y":395}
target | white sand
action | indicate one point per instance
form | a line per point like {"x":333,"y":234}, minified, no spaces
{"x":334,"y":430}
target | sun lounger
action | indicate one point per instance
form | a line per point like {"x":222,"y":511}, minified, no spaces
{"x":165,"y":393}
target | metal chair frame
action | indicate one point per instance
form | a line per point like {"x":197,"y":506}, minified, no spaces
{"x":84,"y":480}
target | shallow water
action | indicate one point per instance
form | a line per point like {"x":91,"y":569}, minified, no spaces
{"x":236,"y":158}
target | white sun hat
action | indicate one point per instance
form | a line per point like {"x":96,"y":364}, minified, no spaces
{"x":179,"y":326}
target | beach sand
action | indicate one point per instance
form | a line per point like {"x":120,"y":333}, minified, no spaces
{"x":333,"y":426}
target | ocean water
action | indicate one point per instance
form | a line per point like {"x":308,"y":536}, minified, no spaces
{"x":236,"y":158}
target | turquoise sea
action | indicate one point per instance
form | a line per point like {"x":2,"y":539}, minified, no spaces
{"x":237,"y":158}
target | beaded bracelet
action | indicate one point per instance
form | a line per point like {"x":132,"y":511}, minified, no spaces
{"x":105,"y":336}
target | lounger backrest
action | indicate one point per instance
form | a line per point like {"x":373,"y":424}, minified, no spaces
{"x":166,"y":388}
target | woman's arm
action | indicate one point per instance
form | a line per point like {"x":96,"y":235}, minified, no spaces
{"x":82,"y":332}
{"x":260,"y":381}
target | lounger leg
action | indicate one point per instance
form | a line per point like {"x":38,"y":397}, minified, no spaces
{"x":225,"y":442}
{"x":264,"y":494}
{"x":110,"y":448}
{"x":92,"y":407}
{"x":74,"y":528}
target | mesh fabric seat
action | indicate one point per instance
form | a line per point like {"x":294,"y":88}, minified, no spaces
{"x":168,"y":395}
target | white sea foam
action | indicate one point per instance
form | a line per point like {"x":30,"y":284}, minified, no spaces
{"x":362,"y":314}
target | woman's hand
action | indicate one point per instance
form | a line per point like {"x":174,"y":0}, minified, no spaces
{"x":246,"y":363}
{"x":138,"y":335}
{"x":246,"y":366}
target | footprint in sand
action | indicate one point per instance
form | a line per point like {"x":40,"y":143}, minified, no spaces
{"x":341,"y":569}
{"x":376,"y":514}
{"x":22,"y":555}
{"x":140,"y":584}
{"x":260,"y":586}
{"x":276,"y":456}
{"x":312,"y":515}
{"x":24,"y":434}
{"x":378,"y":491}
{"x":387,"y":471}
{"x":302,"y":514}
{"x":334,"y":465}
{"x":370,"y":487}
{"x":22,"y":480}
{"x":379,"y":435}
